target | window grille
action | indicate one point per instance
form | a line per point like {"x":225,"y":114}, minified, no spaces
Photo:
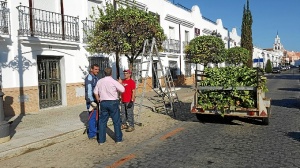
{"x":103,"y":63}
{"x":188,"y":71}
{"x":173,"y":65}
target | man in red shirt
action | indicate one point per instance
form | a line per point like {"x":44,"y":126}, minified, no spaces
{"x":127,"y":105}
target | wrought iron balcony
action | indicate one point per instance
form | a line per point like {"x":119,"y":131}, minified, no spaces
{"x":88,"y":25}
{"x":46,"y":24}
{"x":4,"y":18}
{"x":171,"y":45}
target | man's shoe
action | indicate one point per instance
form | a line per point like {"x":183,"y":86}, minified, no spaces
{"x":129,"y":129}
{"x":94,"y":137}
{"x":124,"y":126}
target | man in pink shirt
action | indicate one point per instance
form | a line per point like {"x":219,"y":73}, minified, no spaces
{"x":106,"y":92}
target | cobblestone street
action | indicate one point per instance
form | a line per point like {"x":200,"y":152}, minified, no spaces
{"x":241,"y":143}
{"x":185,"y":142}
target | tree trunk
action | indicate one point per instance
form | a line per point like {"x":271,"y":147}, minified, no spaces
{"x":117,"y":64}
{"x":131,"y":65}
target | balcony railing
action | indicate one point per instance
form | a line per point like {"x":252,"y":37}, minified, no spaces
{"x":4,"y":18}
{"x":88,"y":25}
{"x":46,"y":24}
{"x":171,"y":45}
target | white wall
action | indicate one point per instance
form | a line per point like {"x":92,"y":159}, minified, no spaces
{"x":75,"y":55}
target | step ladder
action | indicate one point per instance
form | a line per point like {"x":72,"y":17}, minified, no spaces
{"x":170,"y":84}
{"x":165,"y":99}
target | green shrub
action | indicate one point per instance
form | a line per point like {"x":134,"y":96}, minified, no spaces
{"x":268,"y":66}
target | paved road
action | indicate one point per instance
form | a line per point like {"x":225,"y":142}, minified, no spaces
{"x":242,"y":143}
{"x":185,"y":142}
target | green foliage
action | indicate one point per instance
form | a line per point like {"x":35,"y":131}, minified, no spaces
{"x":124,"y":30}
{"x":206,"y":49}
{"x":268,"y":66}
{"x":237,"y":55}
{"x":230,"y":77}
{"x":246,"y":36}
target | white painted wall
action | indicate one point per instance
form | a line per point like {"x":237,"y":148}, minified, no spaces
{"x":49,"y":5}
{"x":77,"y":55}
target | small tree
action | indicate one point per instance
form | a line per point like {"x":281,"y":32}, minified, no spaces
{"x":246,"y":36}
{"x":237,"y":55}
{"x":206,"y":49}
{"x":123,"y":31}
{"x":268,"y":66}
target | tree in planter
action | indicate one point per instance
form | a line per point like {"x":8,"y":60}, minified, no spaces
{"x":206,"y":49}
{"x":237,"y":55}
{"x":123,"y":31}
{"x":268,"y":66}
{"x":246,"y":36}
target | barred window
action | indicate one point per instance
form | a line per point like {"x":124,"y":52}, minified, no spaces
{"x":136,"y":67}
{"x":188,"y":69}
{"x":103,"y":63}
{"x":173,"y":68}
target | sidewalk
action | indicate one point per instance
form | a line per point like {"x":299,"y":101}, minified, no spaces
{"x":47,"y":127}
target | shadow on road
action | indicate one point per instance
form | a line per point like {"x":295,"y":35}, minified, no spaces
{"x":288,"y":103}
{"x":182,"y":113}
{"x":250,"y":121}
{"x":294,"y":135}
{"x":290,"y":89}
{"x":283,"y":76}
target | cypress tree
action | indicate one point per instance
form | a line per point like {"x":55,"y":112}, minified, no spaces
{"x":246,"y":34}
{"x":268,"y":66}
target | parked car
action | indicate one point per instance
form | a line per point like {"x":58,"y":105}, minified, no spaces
{"x":276,"y":70}
{"x":282,"y":68}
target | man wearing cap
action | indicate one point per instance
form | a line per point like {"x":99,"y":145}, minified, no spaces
{"x":127,"y":105}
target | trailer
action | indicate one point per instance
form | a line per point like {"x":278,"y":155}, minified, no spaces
{"x":261,"y":110}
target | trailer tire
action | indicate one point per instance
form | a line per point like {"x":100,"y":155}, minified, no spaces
{"x":266,"y":121}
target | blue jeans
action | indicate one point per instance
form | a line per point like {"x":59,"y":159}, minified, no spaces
{"x":127,"y":114}
{"x":109,"y":108}
{"x":92,"y":122}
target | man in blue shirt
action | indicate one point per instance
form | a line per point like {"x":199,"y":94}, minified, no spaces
{"x":90,"y":83}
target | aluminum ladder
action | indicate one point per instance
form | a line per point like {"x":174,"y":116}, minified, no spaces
{"x":165,"y":96}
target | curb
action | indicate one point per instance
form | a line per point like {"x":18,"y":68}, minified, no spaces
{"x":40,"y":144}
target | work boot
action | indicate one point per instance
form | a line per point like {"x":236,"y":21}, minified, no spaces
{"x":124,"y":126}
{"x":129,"y":129}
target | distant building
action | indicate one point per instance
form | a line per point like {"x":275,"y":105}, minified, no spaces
{"x":293,"y":57}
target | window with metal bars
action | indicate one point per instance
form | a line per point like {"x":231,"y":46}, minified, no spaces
{"x":135,"y":68}
{"x":188,"y":69}
{"x":173,"y":65}
{"x":103,"y":63}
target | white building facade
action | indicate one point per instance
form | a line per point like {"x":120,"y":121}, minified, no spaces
{"x":43,"y":57}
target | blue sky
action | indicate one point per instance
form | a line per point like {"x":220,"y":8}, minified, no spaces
{"x":269,"y":16}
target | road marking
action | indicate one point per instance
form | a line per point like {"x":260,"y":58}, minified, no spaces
{"x":168,"y":135}
{"x":122,"y":161}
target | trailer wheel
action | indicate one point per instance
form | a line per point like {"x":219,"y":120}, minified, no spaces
{"x":266,"y":121}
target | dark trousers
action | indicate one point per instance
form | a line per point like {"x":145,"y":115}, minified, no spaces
{"x":92,"y":122}
{"x":127,"y":114}
{"x":109,"y":108}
